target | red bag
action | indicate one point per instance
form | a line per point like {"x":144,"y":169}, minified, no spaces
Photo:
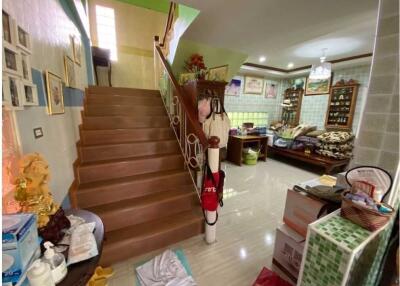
{"x":210,"y":194}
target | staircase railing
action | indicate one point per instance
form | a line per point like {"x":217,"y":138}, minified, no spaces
{"x":183,"y":117}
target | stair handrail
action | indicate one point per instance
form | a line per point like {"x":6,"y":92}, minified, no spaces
{"x":168,"y":24}
{"x":188,"y":108}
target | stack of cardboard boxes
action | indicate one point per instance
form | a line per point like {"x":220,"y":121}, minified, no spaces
{"x":301,"y":209}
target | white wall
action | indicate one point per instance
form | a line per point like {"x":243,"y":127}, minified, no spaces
{"x":50,"y":30}
{"x":135,"y":31}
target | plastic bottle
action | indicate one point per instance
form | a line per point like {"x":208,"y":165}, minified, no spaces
{"x":56,"y":261}
{"x":39,"y":274}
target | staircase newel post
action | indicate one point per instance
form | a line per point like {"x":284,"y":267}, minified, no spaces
{"x":213,"y":162}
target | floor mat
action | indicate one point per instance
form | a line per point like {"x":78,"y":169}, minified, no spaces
{"x":181,"y":256}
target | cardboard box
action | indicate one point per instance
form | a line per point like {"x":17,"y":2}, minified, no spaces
{"x":288,"y":251}
{"x":20,"y":242}
{"x":301,"y":210}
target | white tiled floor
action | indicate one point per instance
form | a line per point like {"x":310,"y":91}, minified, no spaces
{"x":254,"y":199}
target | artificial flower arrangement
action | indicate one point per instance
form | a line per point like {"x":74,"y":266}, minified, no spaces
{"x":195,"y":64}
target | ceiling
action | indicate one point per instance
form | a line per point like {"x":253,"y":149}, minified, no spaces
{"x":286,"y":31}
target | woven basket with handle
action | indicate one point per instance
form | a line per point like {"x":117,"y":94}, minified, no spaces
{"x":362,"y":216}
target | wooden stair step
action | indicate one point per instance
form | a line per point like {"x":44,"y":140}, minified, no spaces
{"x":124,"y":122}
{"x":91,"y":153}
{"x":101,"y":99}
{"x":92,"y":137}
{"x":126,"y":109}
{"x":108,"y":191}
{"x":134,"y":240}
{"x":144,"y":209}
{"x":106,"y":90}
{"x":119,"y":168}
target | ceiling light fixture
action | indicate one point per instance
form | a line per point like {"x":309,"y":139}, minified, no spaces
{"x":322,"y":70}
{"x":290,"y":65}
{"x":262,"y":59}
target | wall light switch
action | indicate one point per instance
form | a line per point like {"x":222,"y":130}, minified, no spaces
{"x":38,"y":132}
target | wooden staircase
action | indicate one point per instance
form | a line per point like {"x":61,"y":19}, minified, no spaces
{"x":130,"y":172}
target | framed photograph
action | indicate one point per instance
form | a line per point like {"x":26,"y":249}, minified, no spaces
{"x":218,"y":73}
{"x":185,"y":77}
{"x":30,"y":96}
{"x":54,"y":88}
{"x":11,"y":61}
{"x":26,"y":67}
{"x":233,"y":88}
{"x":253,"y":85}
{"x":9,"y":37}
{"x":12,"y":88}
{"x":318,"y":86}
{"x":271,"y":90}
{"x":69,"y":71}
{"x":23,"y":39}
{"x":77,"y":49}
{"x":5,"y":95}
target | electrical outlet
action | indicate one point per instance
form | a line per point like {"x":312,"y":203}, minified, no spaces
{"x":38,"y":132}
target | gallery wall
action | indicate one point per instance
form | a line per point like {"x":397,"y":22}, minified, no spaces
{"x":50,"y":29}
{"x":313,"y":108}
{"x":135,"y":31}
{"x":254,"y":102}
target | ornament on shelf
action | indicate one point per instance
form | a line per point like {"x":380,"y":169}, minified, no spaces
{"x":195,"y":64}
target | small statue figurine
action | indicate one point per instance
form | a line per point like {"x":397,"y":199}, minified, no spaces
{"x":33,"y":194}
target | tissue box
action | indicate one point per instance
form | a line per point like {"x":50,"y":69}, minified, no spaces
{"x":20,"y":242}
{"x":288,"y":251}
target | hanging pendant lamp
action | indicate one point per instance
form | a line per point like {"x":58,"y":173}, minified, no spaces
{"x":322,"y":70}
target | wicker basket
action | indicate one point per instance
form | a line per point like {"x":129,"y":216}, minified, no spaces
{"x":362,"y":216}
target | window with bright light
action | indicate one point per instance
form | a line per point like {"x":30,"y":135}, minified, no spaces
{"x":105,"y":21}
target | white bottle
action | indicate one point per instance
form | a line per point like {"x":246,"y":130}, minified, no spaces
{"x":39,"y":274}
{"x":56,"y":261}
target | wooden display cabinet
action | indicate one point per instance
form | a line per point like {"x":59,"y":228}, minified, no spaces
{"x":341,"y":105}
{"x":199,"y":89}
{"x":291,"y":114}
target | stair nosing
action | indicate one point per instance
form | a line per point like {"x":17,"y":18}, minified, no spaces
{"x":153,"y":232}
{"x":83,"y":188}
{"x":129,"y":143}
{"x":172,"y":196}
{"x":127,"y":159}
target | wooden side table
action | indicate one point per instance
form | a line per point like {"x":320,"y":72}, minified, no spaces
{"x":80,"y":273}
{"x":237,"y":143}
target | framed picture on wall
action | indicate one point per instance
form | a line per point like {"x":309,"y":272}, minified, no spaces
{"x":9,"y":37}
{"x":26,"y":67}
{"x":12,"y":88}
{"x":253,"y":85}
{"x":233,"y":88}
{"x":218,"y":73}
{"x":11,"y":60}
{"x":23,"y":39}
{"x":77,"y":49}
{"x":55,"y":98}
{"x":69,"y":72}
{"x":318,"y":86}
{"x":5,"y":94}
{"x":30,"y":96}
{"x":271,"y":90}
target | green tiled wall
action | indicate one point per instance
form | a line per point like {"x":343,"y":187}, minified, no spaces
{"x":260,"y":119}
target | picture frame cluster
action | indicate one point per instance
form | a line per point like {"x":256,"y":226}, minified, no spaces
{"x":18,"y":88}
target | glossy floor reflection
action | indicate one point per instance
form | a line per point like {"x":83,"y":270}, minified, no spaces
{"x":254,"y":199}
